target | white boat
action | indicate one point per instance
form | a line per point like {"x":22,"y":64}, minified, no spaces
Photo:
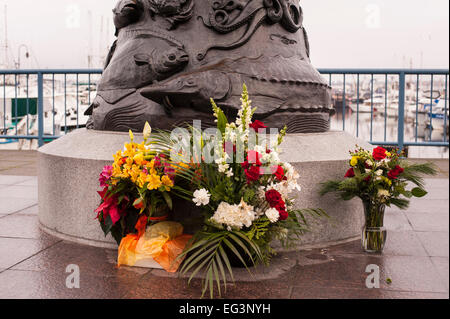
{"x":366,"y":106}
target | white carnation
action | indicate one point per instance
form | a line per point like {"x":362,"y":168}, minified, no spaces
{"x":273,"y":215}
{"x":236,"y":216}
{"x":201,"y":197}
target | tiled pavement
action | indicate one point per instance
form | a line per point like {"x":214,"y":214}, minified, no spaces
{"x":416,"y":258}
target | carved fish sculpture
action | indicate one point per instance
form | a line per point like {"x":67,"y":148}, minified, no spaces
{"x":137,"y":63}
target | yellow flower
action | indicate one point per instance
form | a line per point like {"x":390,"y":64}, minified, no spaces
{"x":167,"y":182}
{"x":388,"y":154}
{"x":131,"y":135}
{"x":354,"y":161}
{"x":142,"y":179}
{"x":134,"y":173}
{"x":130,"y":150}
{"x":141,"y":147}
{"x":147,"y":131}
{"x":154,"y":182}
{"x":117,"y":171}
{"x":151,"y":165}
{"x":138,"y":158}
{"x":387,"y":180}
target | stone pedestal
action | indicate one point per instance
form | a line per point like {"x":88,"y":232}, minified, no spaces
{"x":68,"y":183}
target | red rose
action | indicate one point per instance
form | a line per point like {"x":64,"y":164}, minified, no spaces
{"x":350,"y":173}
{"x":254,"y":157}
{"x":394,"y":173}
{"x":252,"y":174}
{"x":284,"y":215}
{"x":281,"y":208}
{"x":274,"y":199}
{"x":245,"y":165}
{"x":256,"y":125}
{"x":379,"y":153}
{"x":279,"y":172}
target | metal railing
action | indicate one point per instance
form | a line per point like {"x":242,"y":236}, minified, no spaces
{"x":353,"y":84}
{"x":399,"y":79}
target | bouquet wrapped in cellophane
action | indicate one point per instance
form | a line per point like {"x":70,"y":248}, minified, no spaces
{"x":136,"y":205}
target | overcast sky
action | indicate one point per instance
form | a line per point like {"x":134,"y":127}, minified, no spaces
{"x":343,"y":33}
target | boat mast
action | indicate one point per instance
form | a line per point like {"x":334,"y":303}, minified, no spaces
{"x":5,"y":45}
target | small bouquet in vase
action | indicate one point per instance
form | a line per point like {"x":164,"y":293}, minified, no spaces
{"x":379,"y":178}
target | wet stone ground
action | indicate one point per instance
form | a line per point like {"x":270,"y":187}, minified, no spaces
{"x":33,"y":264}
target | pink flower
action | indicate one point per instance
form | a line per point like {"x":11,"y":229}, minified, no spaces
{"x":109,"y":206}
{"x":105,"y":175}
{"x":158,"y":162}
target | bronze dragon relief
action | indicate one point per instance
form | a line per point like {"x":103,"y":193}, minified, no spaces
{"x":285,"y":87}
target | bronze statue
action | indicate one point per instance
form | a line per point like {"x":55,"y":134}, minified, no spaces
{"x":172,"y":56}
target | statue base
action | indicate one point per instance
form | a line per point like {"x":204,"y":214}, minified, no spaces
{"x":68,"y":183}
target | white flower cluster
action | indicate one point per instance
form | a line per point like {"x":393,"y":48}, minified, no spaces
{"x":285,"y":188}
{"x":273,"y":215}
{"x":268,"y":158}
{"x":234,"y":216}
{"x":201,"y":197}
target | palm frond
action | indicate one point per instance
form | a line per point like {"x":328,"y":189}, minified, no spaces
{"x":207,"y":255}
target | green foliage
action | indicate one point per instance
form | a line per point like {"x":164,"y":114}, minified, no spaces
{"x":221,"y":118}
{"x":258,"y":229}
{"x":207,"y":255}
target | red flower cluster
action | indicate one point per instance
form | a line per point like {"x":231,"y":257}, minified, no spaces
{"x":394,"y":173}
{"x":279,"y":173}
{"x":275,"y":200}
{"x":253,"y":174}
{"x":379,"y":153}
{"x":350,"y":173}
{"x":256,"y":125}
{"x":252,"y":166}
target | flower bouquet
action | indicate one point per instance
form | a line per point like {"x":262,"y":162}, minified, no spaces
{"x":245,"y":192}
{"x":380,"y":178}
{"x":136,"y":202}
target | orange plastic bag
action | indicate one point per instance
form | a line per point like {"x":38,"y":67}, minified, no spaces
{"x":163,"y":242}
{"x":170,"y":252}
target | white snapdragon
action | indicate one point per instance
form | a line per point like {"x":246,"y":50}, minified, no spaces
{"x":379,"y":172}
{"x":201,"y":197}
{"x":260,"y":149}
{"x":229,"y":173}
{"x":223,"y":168}
{"x":273,"y":215}
{"x":235,"y":216}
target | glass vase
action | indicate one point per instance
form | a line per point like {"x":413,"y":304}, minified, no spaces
{"x":373,"y":233}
